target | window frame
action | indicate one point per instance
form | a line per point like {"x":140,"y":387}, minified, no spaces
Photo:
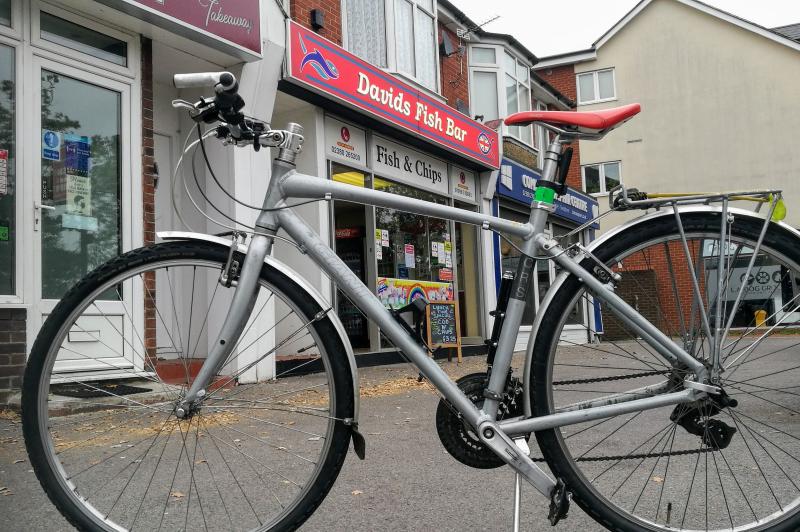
{"x":500,"y":70}
{"x":602,"y":167}
{"x":596,"y":85}
{"x":20,"y":183}
{"x":15,"y":29}
{"x":102,"y":66}
{"x":391,"y":42}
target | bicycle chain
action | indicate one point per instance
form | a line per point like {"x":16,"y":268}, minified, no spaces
{"x":615,"y":378}
{"x":619,"y":458}
{"x":641,"y":456}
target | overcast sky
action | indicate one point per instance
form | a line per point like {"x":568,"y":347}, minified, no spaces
{"x":548,"y":27}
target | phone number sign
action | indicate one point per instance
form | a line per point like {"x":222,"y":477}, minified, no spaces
{"x":324,"y":67}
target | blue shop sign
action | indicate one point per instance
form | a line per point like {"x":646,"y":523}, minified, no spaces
{"x":518,"y":183}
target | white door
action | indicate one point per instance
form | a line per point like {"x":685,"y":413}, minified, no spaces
{"x":82,"y":186}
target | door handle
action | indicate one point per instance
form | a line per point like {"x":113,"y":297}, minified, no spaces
{"x":38,"y":206}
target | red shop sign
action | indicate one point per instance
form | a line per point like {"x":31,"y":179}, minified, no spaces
{"x":236,"y":21}
{"x":324,"y":67}
{"x":348,"y":232}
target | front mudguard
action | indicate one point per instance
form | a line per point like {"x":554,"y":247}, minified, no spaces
{"x":302,"y":283}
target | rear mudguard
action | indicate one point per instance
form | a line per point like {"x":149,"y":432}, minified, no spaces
{"x":631,"y":225}
{"x":302,"y":283}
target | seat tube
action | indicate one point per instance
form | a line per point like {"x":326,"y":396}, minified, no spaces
{"x":541,"y":208}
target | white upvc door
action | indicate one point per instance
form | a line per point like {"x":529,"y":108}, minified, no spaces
{"x":83,"y":208}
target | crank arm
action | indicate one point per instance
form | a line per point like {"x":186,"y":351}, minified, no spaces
{"x":504,"y":447}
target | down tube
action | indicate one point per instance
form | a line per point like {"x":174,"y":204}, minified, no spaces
{"x":361,"y":296}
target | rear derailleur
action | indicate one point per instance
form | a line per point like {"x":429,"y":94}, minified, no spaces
{"x":696,"y":418}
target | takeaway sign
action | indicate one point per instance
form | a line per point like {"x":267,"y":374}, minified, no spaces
{"x":237,"y":22}
{"x":324,"y":67}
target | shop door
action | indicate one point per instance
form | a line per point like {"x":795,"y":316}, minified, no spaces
{"x":82,"y":217}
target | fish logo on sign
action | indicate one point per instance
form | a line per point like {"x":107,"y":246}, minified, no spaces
{"x":326,"y":69}
{"x":484,"y":143}
{"x":345,"y":133}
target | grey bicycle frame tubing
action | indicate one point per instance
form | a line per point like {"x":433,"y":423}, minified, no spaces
{"x":296,"y":185}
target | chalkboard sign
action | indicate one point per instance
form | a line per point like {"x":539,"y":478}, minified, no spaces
{"x":443,"y":325}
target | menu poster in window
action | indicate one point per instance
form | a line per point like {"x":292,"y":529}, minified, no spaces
{"x":443,"y":325}
{"x":410,"y":258}
{"x":440,"y":252}
{"x":79,"y":195}
{"x":448,"y":254}
{"x":3,"y":172}
{"x":446,"y":274}
{"x":385,"y":238}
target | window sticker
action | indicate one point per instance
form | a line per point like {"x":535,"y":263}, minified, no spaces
{"x":3,"y":172}
{"x":77,"y":155}
{"x":410,"y":259}
{"x":51,"y":145}
{"x":4,"y":232}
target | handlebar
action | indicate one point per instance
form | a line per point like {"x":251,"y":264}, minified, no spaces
{"x":226,"y":111}
{"x":220,"y":81}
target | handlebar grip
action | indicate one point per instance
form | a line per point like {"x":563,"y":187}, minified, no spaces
{"x":221,"y":81}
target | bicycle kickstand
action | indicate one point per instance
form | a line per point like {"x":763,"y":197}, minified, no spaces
{"x":522,"y":444}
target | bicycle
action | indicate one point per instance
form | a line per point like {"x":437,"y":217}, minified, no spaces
{"x":715,"y":449}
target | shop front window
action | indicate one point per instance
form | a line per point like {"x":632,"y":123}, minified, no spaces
{"x":561,"y":234}
{"x":510,"y":255}
{"x":469,"y":278}
{"x":8,"y":155}
{"x":81,"y":180}
{"x":409,"y":254}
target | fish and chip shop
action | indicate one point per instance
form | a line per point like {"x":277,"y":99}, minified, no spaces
{"x":515,"y":191}
{"x":368,"y":128}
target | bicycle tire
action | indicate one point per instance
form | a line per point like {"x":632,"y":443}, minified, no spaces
{"x":551,"y":442}
{"x":35,"y":382}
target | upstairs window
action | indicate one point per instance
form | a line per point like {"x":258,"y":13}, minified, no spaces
{"x":409,"y":49}
{"x":595,"y":87}
{"x":601,"y":178}
{"x":366,"y":30}
{"x":500,"y":86}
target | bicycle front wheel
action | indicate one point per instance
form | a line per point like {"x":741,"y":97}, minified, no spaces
{"x":257,"y":456}
{"x":701,"y":466}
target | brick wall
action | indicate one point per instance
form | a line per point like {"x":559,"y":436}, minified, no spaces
{"x":563,"y":79}
{"x":148,"y":191}
{"x":300,"y":12}
{"x":647,"y":281}
{"x":454,"y":72}
{"x":12,"y":350}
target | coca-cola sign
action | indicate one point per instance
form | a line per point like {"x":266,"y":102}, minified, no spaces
{"x":235,"y":21}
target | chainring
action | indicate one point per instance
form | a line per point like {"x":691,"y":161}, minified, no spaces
{"x":458,"y":438}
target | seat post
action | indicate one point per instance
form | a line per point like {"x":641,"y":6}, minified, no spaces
{"x":551,"y":159}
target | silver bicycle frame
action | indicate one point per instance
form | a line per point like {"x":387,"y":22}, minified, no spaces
{"x":287,"y":184}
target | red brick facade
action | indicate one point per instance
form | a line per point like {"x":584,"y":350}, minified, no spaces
{"x":563,"y":79}
{"x":649,"y":269}
{"x":454,"y":72}
{"x":300,"y":11}
{"x":148,"y":192}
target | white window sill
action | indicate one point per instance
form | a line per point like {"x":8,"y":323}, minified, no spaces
{"x":407,"y":79}
{"x":594,"y":102}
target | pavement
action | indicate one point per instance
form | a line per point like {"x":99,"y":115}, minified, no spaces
{"x":407,"y":482}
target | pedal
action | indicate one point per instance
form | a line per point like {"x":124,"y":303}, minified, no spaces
{"x":559,"y":503}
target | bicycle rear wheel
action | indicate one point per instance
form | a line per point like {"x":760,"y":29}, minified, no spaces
{"x":673,"y":468}
{"x":258,"y":456}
